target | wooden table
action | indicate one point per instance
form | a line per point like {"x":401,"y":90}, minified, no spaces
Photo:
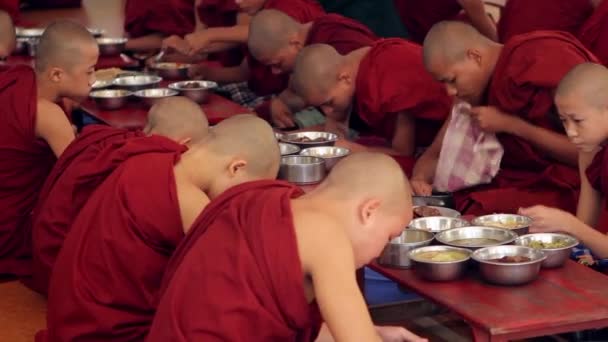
{"x":567,"y":299}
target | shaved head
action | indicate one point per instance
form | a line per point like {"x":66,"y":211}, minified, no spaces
{"x":62,"y":45}
{"x":449,"y":41}
{"x":7,"y":34}
{"x":179,"y":119}
{"x":316,"y":70}
{"x":587,"y":82}
{"x":270,"y":31}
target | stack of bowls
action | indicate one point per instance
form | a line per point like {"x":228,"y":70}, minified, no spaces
{"x":331,"y":154}
{"x":288,"y":149}
{"x":519,"y":224}
{"x":395,"y":253}
{"x":302,"y":169}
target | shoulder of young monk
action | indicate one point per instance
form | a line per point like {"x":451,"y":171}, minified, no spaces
{"x":45,"y":106}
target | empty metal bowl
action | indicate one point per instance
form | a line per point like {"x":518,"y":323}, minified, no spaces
{"x":111,"y":46}
{"x":557,"y":254}
{"x":436,"y":224}
{"x":475,"y":237}
{"x":444,"y":212}
{"x":302,"y":169}
{"x":169,"y":70}
{"x":395,"y":253}
{"x":151,"y":96}
{"x":331,"y":154}
{"x":96,"y":32}
{"x":437,"y":199}
{"x":288,"y":149}
{"x":197,"y":91}
{"x":33,"y":32}
{"x":517,"y":223}
{"x":110,"y":99}
{"x":440,"y":269}
{"x":310,"y":139}
{"x":278,"y":135}
{"x":509,"y":273}
{"x":136,"y":82}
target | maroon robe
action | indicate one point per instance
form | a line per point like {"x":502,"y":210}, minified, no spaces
{"x":419,"y":16}
{"x":222,"y":13}
{"x":108,"y":272}
{"x":594,"y":32}
{"x":11,"y":7}
{"x":238,"y":275}
{"x":54,"y":3}
{"x":168,"y":17}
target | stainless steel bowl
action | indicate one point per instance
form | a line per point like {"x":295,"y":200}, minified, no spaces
{"x":111,"y":46}
{"x":329,"y":139}
{"x":516,"y":223}
{"x":302,"y":169}
{"x":21,"y":46}
{"x":169,"y":70}
{"x":288,"y":149}
{"x":197,"y":91}
{"x":278,"y":135}
{"x":439,"y":270}
{"x":100,"y":84}
{"x":331,"y":154}
{"x":478,"y":237}
{"x":503,"y":273}
{"x":33,"y":32}
{"x":556,"y":257}
{"x":96,"y":32}
{"x":153,"y":95}
{"x":32,"y":46}
{"x":436,"y":224}
{"x":437,"y":199}
{"x":137,"y":82}
{"x":110,"y":99}
{"x":444,"y":212}
{"x":396,"y":252}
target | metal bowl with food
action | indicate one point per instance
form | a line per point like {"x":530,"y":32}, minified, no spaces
{"x":475,"y":237}
{"x":437,"y":199}
{"x":440,"y":263}
{"x":395,"y":253}
{"x":111,"y":46}
{"x":302,"y":169}
{"x":110,"y":99}
{"x":96,"y":32}
{"x":557,"y":247}
{"x":516,"y":223}
{"x":137,"y":82}
{"x":288,"y":149}
{"x":197,"y":91}
{"x":153,"y":95}
{"x":171,"y":70}
{"x":310,"y":139}
{"x":510,"y":264}
{"x":331,"y":154}
{"x":31,"y":32}
{"x":101,"y":84}
{"x":428,"y":211}
{"x":436,"y":224}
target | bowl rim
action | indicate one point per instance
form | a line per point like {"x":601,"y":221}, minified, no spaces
{"x":345,"y":151}
{"x":285,"y":138}
{"x":93,"y":94}
{"x":443,"y":208}
{"x":154,"y":79}
{"x":296,"y":147}
{"x":468,"y":224}
{"x":412,"y":254}
{"x":139,"y":93}
{"x":22,"y":32}
{"x":180,"y":67}
{"x":575,"y":241}
{"x":479,"y":220}
{"x":510,"y":232}
{"x":115,"y":40}
{"x":318,"y":160}
{"x":390,"y":242}
{"x":177,"y":85}
{"x":475,"y":256}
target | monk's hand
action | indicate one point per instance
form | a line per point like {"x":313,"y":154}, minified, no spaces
{"x":398,"y":334}
{"x":421,"y":187}
{"x":198,"y":41}
{"x":351,"y":145}
{"x":491,"y":119}
{"x":280,"y":114}
{"x":198,"y":72}
{"x":176,"y":43}
{"x":545,"y":219}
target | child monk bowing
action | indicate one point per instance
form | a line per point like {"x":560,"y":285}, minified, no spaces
{"x":106,"y":278}
{"x":266,"y":262}
{"x":35,"y":130}
{"x":582,"y":101}
{"x":88,"y":161}
{"x":7,"y":35}
{"x":511,"y":87}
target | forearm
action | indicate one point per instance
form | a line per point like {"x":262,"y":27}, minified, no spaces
{"x":232,"y":34}
{"x":219,"y":47}
{"x":145,"y":43}
{"x":425,"y":166}
{"x":481,"y":21}
{"x":591,"y":238}
{"x":292,"y":101}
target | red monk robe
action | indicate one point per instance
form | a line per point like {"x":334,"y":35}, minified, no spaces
{"x":82,"y":167}
{"x":237,"y":276}
{"x":392,"y":79}
{"x":54,"y":3}
{"x":597,"y":174}
{"x":168,"y":17}
{"x":594,"y":32}
{"x":25,"y":162}
{"x":523,"y":84}
{"x":108,"y":272}
{"x":523,"y":16}
{"x":11,"y":7}
{"x":261,"y":79}
{"x":419,"y":16}
{"x":221,"y":13}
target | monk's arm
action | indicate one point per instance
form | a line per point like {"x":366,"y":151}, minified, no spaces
{"x":476,"y":11}
{"x":145,"y":43}
{"x":589,"y":200}
{"x":198,"y":23}
{"x":53,"y":126}
{"x":591,"y":238}
{"x":424,"y":169}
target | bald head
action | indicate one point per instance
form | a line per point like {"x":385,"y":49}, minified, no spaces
{"x":449,"y":41}
{"x":316,"y":70}
{"x":270,"y":31}
{"x":62,"y":45}
{"x":587,"y":82}
{"x":7,"y":35}
{"x":179,"y":119}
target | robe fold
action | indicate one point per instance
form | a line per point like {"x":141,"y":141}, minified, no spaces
{"x":167,"y":17}
{"x":594,"y":32}
{"x":221,"y":13}
{"x":419,"y":16}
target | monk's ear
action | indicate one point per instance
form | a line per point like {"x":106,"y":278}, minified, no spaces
{"x":295,"y":42}
{"x":55,"y":74}
{"x":474,"y":55}
{"x":236,"y":166}
{"x":368,"y":210}
{"x":344,"y":76}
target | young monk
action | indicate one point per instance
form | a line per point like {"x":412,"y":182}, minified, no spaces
{"x":594,"y":31}
{"x":390,"y":94}
{"x":35,"y":130}
{"x":90,"y":159}
{"x":106,"y":278}
{"x":582,"y":101}
{"x":7,"y":35}
{"x":275,"y":39}
{"x":511,"y":87}
{"x":269,"y":263}
{"x":524,"y":16}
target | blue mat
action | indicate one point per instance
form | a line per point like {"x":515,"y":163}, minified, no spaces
{"x":380,"y":290}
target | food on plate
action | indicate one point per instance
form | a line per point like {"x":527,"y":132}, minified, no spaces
{"x":548,"y":245}
{"x":424,"y":211}
{"x":108,"y":74}
{"x":192,"y":85}
{"x":171,"y":65}
{"x":307,"y":139}
{"x":507,"y":224}
{"x":511,"y":259}
{"x":442,"y":256}
{"x":475,"y":242}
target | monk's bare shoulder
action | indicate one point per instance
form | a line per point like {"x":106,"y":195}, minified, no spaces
{"x":52,"y":125}
{"x":191,"y":199}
